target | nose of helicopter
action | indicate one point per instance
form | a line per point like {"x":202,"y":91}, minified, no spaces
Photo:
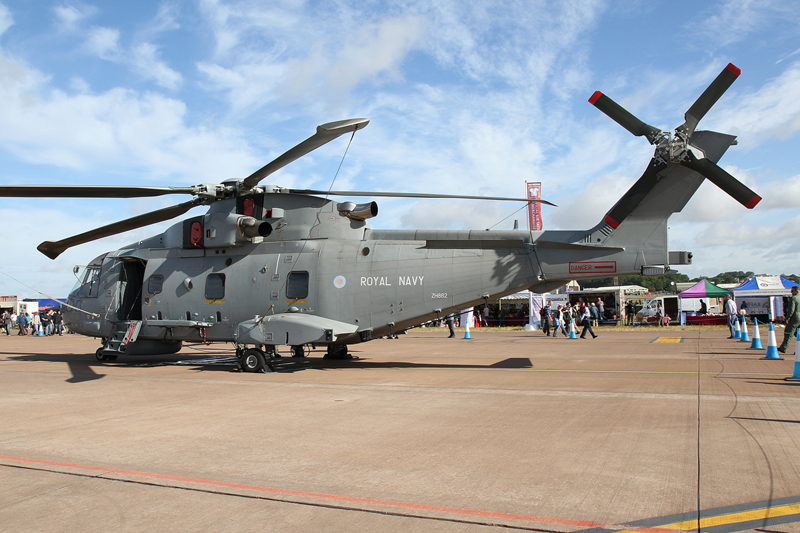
{"x":80,"y":321}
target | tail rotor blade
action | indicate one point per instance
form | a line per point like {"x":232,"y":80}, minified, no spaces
{"x":715,"y":174}
{"x":54,"y":249}
{"x":709,"y":97}
{"x":623,"y":117}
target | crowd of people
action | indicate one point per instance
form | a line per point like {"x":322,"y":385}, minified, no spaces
{"x":582,"y":314}
{"x":50,"y":322}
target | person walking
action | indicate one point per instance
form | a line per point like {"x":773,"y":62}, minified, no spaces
{"x":450,"y":320}
{"x":558,"y":321}
{"x":37,"y":323}
{"x":792,"y":320}
{"x":586,"y":321}
{"x":544,"y":316}
{"x":732,"y":314}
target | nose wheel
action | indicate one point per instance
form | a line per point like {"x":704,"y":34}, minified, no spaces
{"x":100,"y":355}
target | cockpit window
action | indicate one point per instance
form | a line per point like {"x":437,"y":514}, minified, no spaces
{"x":91,"y":283}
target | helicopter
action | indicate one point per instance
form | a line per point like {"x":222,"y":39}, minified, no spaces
{"x":268,"y":266}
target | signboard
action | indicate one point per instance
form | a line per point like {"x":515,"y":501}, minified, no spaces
{"x":534,"y":208}
{"x":593,"y":267}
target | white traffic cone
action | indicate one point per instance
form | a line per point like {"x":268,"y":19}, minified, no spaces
{"x":756,"y":337}
{"x":572,"y":333}
{"x":772,"y":345}
{"x":796,"y":375}
{"x":737,"y":331}
{"x":745,"y":335}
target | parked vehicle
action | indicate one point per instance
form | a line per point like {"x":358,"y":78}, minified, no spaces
{"x":673,"y":306}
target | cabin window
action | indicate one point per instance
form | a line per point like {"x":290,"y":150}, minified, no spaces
{"x":297,"y":285}
{"x":215,"y":287}
{"x":156,"y":284}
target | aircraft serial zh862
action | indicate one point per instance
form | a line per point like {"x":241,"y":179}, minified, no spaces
{"x":268,"y":266}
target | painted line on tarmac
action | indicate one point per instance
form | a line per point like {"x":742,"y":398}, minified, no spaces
{"x":152,"y":478}
{"x":667,"y":340}
{"x":689,"y":372}
{"x":728,"y":519}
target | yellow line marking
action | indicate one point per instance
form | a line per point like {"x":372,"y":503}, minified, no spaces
{"x":722,"y":520}
{"x":668,"y":340}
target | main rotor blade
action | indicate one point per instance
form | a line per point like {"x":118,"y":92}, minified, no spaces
{"x":415,"y":195}
{"x":87,"y":191}
{"x":325,"y":134}
{"x":715,"y":174}
{"x":623,"y":117}
{"x":54,"y":249}
{"x":709,"y":97}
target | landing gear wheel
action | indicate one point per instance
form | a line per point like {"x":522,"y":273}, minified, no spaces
{"x":337,"y":351}
{"x":253,"y":360}
{"x":298,"y":351}
{"x":100,"y":355}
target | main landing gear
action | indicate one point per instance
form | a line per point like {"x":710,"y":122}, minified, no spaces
{"x":255,"y":359}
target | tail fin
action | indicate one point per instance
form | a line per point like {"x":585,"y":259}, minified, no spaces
{"x":663,"y":189}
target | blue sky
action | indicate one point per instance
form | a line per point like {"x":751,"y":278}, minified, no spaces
{"x":471,"y":97}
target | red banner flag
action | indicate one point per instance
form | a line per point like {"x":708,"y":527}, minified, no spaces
{"x":534,"y":208}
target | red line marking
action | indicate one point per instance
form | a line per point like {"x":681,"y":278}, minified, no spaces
{"x":313,"y":495}
{"x":595,"y":97}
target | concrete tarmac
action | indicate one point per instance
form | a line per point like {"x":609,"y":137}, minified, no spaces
{"x":645,"y":430}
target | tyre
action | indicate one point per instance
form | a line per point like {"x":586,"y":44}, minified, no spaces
{"x":100,"y":355}
{"x":337,"y":351}
{"x":253,"y":360}
{"x":298,"y":351}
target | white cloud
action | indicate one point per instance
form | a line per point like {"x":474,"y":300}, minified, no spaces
{"x":121,"y":127}
{"x":729,"y":21}
{"x":6,"y":20}
{"x":771,"y":112}
{"x":146,"y":61}
{"x":69,"y":16}
{"x":103,"y":43}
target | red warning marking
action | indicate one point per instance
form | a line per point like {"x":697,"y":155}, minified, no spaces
{"x":587,"y":267}
{"x":595,"y":97}
{"x":733,"y":69}
{"x":753,"y":201}
{"x":313,"y":495}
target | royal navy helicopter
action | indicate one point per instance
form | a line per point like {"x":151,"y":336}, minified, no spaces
{"x":268,"y":266}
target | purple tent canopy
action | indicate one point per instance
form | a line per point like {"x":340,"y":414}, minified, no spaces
{"x":705,"y":289}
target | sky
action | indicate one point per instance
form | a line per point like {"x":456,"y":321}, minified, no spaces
{"x":470,"y":97}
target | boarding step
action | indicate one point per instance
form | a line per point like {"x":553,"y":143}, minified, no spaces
{"x":123,"y":336}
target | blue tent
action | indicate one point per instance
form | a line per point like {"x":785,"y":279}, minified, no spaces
{"x":765,"y":286}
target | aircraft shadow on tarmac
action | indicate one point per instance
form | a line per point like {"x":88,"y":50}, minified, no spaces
{"x":82,"y":367}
